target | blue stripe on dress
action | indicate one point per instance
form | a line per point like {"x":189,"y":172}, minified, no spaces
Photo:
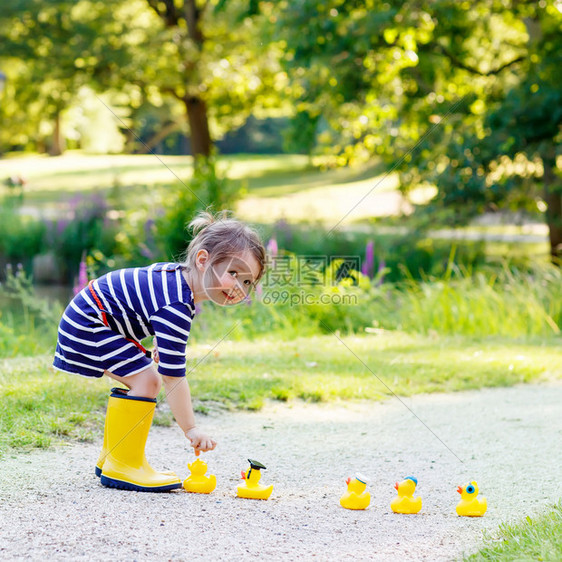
{"x":153,"y":300}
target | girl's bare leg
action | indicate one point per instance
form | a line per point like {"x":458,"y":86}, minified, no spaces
{"x":146,"y":384}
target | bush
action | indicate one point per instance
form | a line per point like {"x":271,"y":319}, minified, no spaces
{"x":87,"y":232}
{"x":20,"y":237}
{"x":28,"y":324}
{"x":409,"y":255}
{"x":205,"y":189}
{"x":511,"y":303}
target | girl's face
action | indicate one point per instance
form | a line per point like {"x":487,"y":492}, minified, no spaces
{"x":230,"y":281}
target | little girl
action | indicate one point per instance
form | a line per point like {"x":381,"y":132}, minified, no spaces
{"x":102,"y":327}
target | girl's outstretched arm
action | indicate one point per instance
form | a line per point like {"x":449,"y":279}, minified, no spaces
{"x":179,"y":398}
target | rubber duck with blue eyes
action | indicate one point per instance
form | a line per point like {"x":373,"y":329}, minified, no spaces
{"x":470,"y":505}
{"x":356,"y":496}
{"x":251,"y":488}
{"x":405,"y":502}
{"x":197,"y":482}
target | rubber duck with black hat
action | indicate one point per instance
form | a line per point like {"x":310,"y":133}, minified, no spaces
{"x":251,"y":488}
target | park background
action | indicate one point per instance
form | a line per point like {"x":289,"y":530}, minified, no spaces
{"x":402,"y":161}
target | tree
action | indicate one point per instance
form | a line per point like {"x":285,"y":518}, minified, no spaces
{"x":54,"y":48}
{"x":448,"y":93}
{"x":210,"y":59}
{"x":205,"y":55}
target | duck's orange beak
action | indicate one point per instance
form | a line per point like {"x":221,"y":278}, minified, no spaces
{"x":348,"y":480}
{"x":459,"y":489}
{"x":243,"y":475}
{"x":396,"y":486}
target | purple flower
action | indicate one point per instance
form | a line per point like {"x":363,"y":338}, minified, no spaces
{"x":368,"y":267}
{"x":82,"y":277}
{"x":272,"y":247}
{"x":145,"y":251}
{"x":61,"y":226}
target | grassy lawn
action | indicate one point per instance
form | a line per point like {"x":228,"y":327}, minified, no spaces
{"x":39,"y":407}
{"x":278,"y":186}
{"x":538,"y":538}
{"x":51,"y":179}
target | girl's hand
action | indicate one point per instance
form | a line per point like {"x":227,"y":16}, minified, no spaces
{"x":155,"y":355}
{"x":199,"y":440}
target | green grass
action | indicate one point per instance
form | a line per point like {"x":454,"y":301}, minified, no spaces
{"x":494,"y":302}
{"x":51,"y":179}
{"x":278,"y":185}
{"x":538,"y":538}
{"x":39,"y":407}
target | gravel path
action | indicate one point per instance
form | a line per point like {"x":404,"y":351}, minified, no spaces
{"x":52,"y":507}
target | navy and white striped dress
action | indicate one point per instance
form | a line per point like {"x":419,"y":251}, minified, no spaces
{"x":137,"y":303}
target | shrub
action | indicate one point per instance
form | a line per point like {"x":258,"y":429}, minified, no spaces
{"x":206,"y":188}
{"x":412,"y":254}
{"x":20,"y":237}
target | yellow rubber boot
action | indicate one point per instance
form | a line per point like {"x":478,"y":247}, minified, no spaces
{"x":103,"y":452}
{"x":128,"y":422}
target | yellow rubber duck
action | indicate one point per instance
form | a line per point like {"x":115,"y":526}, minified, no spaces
{"x":470,"y":505}
{"x":251,"y":488}
{"x":356,"y":496}
{"x":197,"y":482}
{"x":405,"y":502}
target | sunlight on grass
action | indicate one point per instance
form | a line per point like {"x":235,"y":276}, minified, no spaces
{"x":329,"y":202}
{"x":279,"y":185}
{"x":39,"y":406}
{"x":50,"y":178}
{"x":321,"y":366}
{"x":537,"y":538}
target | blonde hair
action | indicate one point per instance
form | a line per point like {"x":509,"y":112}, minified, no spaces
{"x":222,"y":237}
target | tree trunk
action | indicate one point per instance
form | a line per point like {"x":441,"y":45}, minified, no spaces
{"x":198,"y":126}
{"x":553,"y":200}
{"x":57,"y":146}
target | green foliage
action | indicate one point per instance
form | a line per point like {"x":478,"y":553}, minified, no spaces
{"x":535,"y":538}
{"x":89,"y":232}
{"x":20,"y":237}
{"x":413,"y":254}
{"x":28,"y":324}
{"x":207,"y":188}
{"x":40,"y":407}
{"x":461,"y":95}
{"x":52,"y":50}
{"x":508,"y":303}
{"x":301,"y":136}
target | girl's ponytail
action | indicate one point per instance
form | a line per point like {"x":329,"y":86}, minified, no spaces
{"x":203,"y":219}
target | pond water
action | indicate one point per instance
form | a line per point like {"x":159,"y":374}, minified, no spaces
{"x":61,"y":294}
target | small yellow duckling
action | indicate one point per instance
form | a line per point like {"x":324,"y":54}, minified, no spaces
{"x":356,"y":496}
{"x":251,"y":488}
{"x":197,"y":482}
{"x":470,"y":505}
{"x":404,"y":502}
